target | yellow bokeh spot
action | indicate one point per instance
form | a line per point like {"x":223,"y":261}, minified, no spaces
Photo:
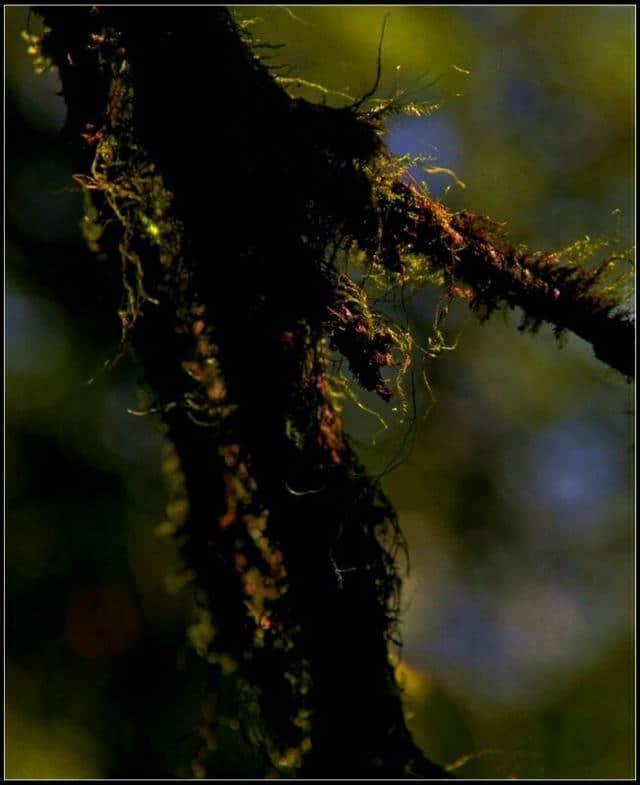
{"x":57,"y":750}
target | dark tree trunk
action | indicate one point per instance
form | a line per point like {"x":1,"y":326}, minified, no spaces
{"x":228,"y":303}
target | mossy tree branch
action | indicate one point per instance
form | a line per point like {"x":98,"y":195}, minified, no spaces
{"x":474,"y":251}
{"x":227,"y":204}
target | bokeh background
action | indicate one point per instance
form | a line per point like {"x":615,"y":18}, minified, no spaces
{"x":517,"y":498}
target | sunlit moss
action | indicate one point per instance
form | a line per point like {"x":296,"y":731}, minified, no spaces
{"x":41,"y":63}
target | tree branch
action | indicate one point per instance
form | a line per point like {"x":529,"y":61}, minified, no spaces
{"x":475,"y":252}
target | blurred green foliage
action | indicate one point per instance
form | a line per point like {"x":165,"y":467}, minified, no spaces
{"x":516,"y":499}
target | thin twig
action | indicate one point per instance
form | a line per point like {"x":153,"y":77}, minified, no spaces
{"x":371,"y":92}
